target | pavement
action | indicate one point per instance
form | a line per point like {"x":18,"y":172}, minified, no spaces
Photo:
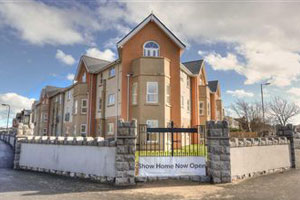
{"x":6,"y":155}
{"x":26,"y":185}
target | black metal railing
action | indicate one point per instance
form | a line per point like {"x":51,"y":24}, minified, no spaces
{"x":171,"y":141}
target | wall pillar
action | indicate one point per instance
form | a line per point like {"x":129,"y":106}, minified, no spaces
{"x":218,"y":148}
{"x":125,"y":154}
{"x":288,"y":132}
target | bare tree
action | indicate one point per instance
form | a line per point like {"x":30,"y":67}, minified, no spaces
{"x":249,"y":115}
{"x":283,"y":111}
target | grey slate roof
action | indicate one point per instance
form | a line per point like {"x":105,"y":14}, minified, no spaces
{"x":194,"y":66}
{"x":213,"y":85}
{"x":49,"y":90}
{"x":94,"y":64}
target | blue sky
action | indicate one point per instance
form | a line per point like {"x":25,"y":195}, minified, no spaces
{"x":244,"y":44}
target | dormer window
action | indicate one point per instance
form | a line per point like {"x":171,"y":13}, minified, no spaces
{"x":151,"y":49}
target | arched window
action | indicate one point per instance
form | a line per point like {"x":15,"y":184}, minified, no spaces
{"x":151,"y":49}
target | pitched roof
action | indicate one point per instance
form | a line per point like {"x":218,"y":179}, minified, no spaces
{"x":194,"y":66}
{"x":213,"y":85}
{"x":154,"y":19}
{"x":49,"y":90}
{"x":93,"y":65}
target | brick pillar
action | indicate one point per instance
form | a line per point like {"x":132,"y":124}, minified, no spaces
{"x":125,"y":153}
{"x":289,"y":132}
{"x":218,"y":147}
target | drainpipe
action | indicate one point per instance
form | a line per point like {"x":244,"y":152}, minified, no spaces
{"x":128,"y":90}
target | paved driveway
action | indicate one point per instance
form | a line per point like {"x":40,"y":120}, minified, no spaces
{"x":22,"y":185}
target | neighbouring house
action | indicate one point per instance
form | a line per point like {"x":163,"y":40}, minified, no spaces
{"x":148,"y":82}
{"x":22,"y":122}
{"x":233,"y":123}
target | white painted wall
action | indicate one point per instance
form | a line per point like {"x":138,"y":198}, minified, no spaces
{"x":93,"y":160}
{"x":245,"y":160}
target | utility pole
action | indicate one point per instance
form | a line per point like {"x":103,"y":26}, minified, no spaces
{"x":262,"y":99}
{"x":7,"y":105}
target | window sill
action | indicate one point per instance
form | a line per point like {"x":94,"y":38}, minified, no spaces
{"x":152,"y":142}
{"x":111,"y":105}
{"x":152,"y":104}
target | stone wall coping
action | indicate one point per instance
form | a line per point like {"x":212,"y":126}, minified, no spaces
{"x":60,"y":140}
{"x":260,"y":141}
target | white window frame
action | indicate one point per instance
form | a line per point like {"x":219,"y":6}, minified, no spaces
{"x":85,"y":127}
{"x":151,"y":52}
{"x":168,"y":96}
{"x":69,"y":94}
{"x":44,"y":130}
{"x":188,"y":102}
{"x":83,"y":107}
{"x":134,"y":93}
{"x":155,"y":94}
{"x":110,"y":128}
{"x":110,"y":98}
{"x":152,"y":123}
{"x":112,"y":72}
{"x":201,"y":108}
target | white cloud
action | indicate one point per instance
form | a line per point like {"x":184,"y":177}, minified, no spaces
{"x":41,"y":23}
{"x":64,"y":58}
{"x":16,"y":102}
{"x":70,"y":77}
{"x":107,"y":54}
{"x":268,"y":47}
{"x":295,"y":91}
{"x":240,"y":93}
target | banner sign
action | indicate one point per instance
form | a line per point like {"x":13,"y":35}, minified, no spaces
{"x":171,"y":166}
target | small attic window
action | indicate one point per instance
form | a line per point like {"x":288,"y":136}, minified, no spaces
{"x":151,"y":49}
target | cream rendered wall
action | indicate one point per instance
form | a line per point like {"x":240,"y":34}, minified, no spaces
{"x":185,"y":92}
{"x":91,"y":160}
{"x":245,"y":160}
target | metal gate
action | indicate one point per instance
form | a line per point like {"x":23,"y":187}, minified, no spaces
{"x":171,"y":141}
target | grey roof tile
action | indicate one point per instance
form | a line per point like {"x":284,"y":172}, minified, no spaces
{"x":194,"y":66}
{"x":94,"y":64}
{"x":213,"y":85}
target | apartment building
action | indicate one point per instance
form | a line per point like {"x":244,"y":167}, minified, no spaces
{"x":148,"y":82}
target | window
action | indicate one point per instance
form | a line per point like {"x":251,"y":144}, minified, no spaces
{"x":69,"y":95}
{"x":188,"y":105}
{"x":75,"y":106}
{"x":208,"y":108}
{"x":83,"y":129}
{"x":151,"y":49}
{"x":152,"y":137}
{"x":152,"y":92}
{"x":45,"y":117}
{"x":188,"y":82}
{"x":101,"y":79}
{"x":67,"y":117}
{"x":134,"y":93}
{"x":56,"y":99}
{"x":99,"y":104}
{"x":112,"y":72}
{"x":111,"y":99}
{"x":110,"y":128}
{"x":83,"y":106}
{"x":44,"y":131}
{"x":201,"y":108}
{"x":182,"y":101}
{"x":84,"y":77}
{"x":168,"y":94}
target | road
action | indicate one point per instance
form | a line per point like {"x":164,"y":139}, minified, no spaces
{"x":25,"y":185}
